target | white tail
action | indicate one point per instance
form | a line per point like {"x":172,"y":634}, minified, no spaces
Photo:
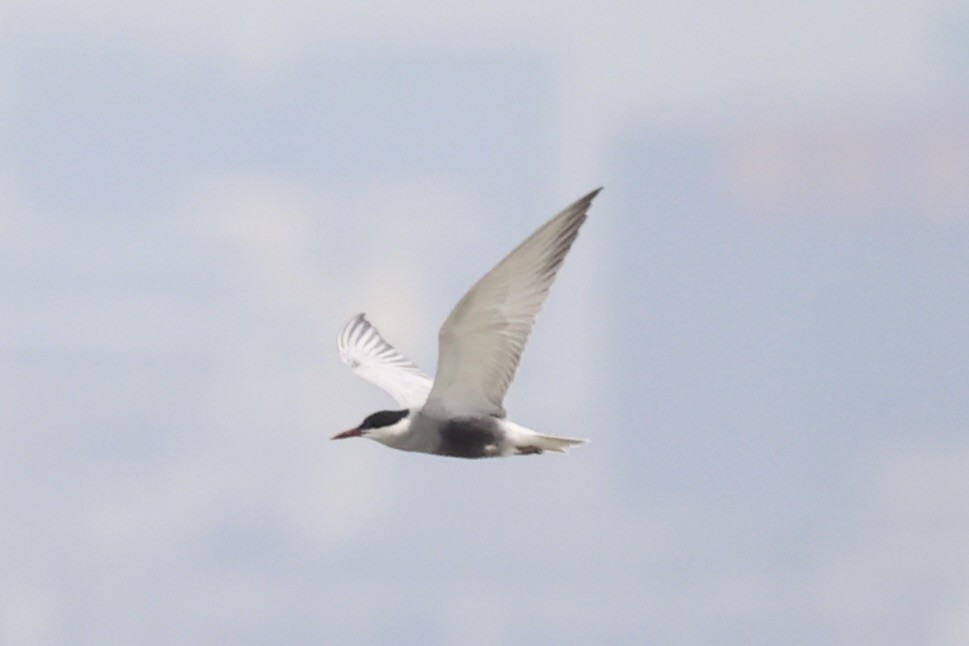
{"x":538,"y":443}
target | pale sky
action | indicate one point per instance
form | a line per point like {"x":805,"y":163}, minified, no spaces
{"x":762,"y":327}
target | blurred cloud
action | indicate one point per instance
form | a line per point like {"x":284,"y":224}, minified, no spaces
{"x":852,"y":165}
{"x":905,"y":554}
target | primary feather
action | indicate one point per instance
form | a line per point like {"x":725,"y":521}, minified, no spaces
{"x":372,"y":358}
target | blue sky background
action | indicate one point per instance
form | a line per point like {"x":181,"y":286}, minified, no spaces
{"x":762,"y":327}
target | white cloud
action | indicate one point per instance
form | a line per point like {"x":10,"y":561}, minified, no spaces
{"x":656,"y":55}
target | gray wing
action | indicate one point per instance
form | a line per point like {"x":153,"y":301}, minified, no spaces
{"x":482,"y":339}
{"x":371,"y":357}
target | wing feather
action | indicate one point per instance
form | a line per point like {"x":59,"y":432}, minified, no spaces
{"x":481,"y":342}
{"x":372,"y":358}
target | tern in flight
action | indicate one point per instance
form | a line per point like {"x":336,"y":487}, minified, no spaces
{"x":460,"y":413}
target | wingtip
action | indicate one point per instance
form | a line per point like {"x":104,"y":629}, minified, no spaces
{"x":343,"y":338}
{"x":585,"y":201}
{"x":357,"y":320}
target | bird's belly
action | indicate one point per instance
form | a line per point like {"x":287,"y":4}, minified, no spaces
{"x":472,"y":437}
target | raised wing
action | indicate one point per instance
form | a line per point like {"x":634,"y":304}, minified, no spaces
{"x":482,"y":339}
{"x":363,"y":349}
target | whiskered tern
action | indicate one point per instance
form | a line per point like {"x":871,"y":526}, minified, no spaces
{"x":460,"y":413}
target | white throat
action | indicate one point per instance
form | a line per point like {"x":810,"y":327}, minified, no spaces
{"x":409,"y":434}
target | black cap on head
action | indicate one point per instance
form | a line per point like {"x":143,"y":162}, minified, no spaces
{"x":383,"y":418}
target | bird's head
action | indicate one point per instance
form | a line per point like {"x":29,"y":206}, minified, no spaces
{"x":382,"y":426}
